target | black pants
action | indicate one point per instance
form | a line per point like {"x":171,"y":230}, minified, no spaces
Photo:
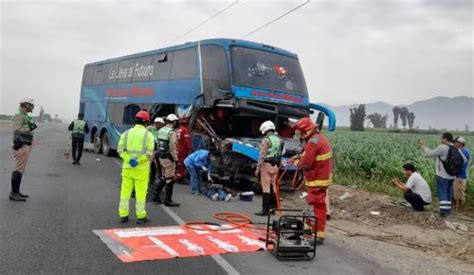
{"x":415,"y":200}
{"x":77,"y":146}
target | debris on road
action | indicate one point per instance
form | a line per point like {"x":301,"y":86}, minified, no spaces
{"x":456,"y":226}
{"x":345,"y":196}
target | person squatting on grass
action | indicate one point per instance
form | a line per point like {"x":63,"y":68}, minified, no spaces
{"x":416,"y":191}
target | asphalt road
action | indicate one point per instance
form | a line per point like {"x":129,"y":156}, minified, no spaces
{"x":52,"y":231}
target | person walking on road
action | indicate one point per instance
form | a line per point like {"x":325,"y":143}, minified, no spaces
{"x":267,"y":165}
{"x":135,"y":147}
{"x":184,"y":147}
{"x":22,"y":126}
{"x":447,"y":156}
{"x":197,"y":162}
{"x":461,"y":179}
{"x":316,"y":163}
{"x":79,"y":128}
{"x":168,"y":157}
{"x":416,"y":191}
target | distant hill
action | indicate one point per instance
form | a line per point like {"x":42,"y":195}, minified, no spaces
{"x":439,"y":112}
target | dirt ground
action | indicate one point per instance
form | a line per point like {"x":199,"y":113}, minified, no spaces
{"x":360,"y":214}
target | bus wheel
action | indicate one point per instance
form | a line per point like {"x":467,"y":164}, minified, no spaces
{"x":106,"y":145}
{"x":97,"y":144}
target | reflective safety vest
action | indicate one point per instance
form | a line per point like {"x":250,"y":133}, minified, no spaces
{"x":274,"y":151}
{"x":136,"y":143}
{"x":164,"y":142}
{"x":153,"y":131}
{"x":320,"y":173}
{"x":27,"y":124}
{"x":79,"y":126}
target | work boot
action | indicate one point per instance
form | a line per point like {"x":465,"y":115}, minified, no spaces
{"x":265,"y":205}
{"x":143,"y":220}
{"x":23,"y":195}
{"x":123,"y":219}
{"x":158,"y":189}
{"x":169,"y":194}
{"x":16,"y":197}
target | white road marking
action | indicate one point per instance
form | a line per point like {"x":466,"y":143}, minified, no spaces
{"x":218,"y":258}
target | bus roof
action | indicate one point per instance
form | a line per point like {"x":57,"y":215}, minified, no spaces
{"x":222,"y":41}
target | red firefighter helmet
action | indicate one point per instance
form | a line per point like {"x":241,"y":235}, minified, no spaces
{"x":143,"y":115}
{"x":306,"y":127}
{"x":184,"y":120}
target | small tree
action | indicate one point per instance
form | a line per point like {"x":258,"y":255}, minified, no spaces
{"x":403,"y":116}
{"x":411,"y":120}
{"x":396,"y":113}
{"x":377,"y":120}
{"x":357,"y":118}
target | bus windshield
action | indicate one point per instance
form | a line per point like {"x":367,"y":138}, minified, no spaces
{"x":267,"y":71}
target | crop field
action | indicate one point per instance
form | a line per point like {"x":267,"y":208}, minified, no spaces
{"x":369,"y":160}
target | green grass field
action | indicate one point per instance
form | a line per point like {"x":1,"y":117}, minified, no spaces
{"x":369,"y":160}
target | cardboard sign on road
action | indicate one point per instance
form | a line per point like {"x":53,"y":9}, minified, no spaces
{"x":156,"y":243}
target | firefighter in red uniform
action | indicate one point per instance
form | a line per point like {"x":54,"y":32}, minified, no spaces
{"x":316,"y":162}
{"x":184,"y":146}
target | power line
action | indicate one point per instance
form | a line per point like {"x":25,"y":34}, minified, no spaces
{"x":205,"y":21}
{"x":276,"y":19}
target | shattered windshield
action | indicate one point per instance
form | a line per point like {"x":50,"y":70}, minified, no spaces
{"x":268,"y":71}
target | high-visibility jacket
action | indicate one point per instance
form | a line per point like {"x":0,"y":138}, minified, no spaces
{"x":136,"y":143}
{"x":79,"y":126}
{"x":27,"y":124}
{"x":274,"y":150}
{"x":317,"y":161}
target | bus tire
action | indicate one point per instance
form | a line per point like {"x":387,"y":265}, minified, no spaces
{"x":97,"y":143}
{"x":106,"y":151}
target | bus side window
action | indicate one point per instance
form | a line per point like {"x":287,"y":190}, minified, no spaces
{"x":129,"y":113}
{"x":88,"y":76}
{"x":161,"y":66}
{"x":98,"y":75}
{"x":215,"y":68}
{"x":115,"y":112}
{"x":184,"y":64}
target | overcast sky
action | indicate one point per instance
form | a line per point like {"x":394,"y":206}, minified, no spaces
{"x":351,"y":51}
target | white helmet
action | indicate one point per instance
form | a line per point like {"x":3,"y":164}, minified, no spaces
{"x":172,"y":118}
{"x":159,"y":120}
{"x":267,"y":125}
{"x":27,"y":100}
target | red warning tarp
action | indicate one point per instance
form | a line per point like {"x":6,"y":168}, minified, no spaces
{"x":154,"y":243}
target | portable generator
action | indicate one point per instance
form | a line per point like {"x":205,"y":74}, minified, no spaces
{"x":291,"y":237}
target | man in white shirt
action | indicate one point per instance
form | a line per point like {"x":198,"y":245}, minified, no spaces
{"x":416,"y":191}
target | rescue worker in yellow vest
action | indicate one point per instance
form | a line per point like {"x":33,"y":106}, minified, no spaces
{"x":22,"y":126}
{"x":79,"y":128}
{"x":168,"y":158}
{"x":135,"y":148}
{"x":267,"y":166}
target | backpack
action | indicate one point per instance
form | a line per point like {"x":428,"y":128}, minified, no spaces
{"x":454,"y":161}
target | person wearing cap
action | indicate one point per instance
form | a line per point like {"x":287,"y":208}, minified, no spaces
{"x":155,"y":174}
{"x":267,"y":165}
{"x":135,"y":147}
{"x":316,"y":161}
{"x":79,"y":128}
{"x":459,"y":187}
{"x":184,"y":147}
{"x":22,"y":126}
{"x":168,"y":157}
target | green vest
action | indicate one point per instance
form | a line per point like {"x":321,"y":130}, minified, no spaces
{"x":275,"y":144}
{"x":154,"y":131}
{"x":27,"y":123}
{"x":164,"y":141}
{"x":79,"y":126}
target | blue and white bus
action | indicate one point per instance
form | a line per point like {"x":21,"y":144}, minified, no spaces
{"x":230,"y":86}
